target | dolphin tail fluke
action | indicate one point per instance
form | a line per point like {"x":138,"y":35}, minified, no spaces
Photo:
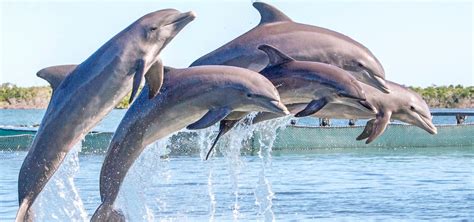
{"x":23,"y":214}
{"x":106,"y":213}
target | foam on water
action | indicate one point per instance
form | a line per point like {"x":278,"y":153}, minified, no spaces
{"x":67,"y":204}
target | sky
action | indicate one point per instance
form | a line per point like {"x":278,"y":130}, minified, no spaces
{"x":419,"y":43}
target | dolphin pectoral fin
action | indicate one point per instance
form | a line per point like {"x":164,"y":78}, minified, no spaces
{"x":380,"y":124}
{"x":224,"y":127}
{"x":137,"y":78}
{"x":369,"y":127}
{"x":55,"y":74}
{"x":275,"y":56}
{"x":210,"y":118}
{"x":154,"y":78}
{"x":312,"y":108}
{"x":269,"y":13}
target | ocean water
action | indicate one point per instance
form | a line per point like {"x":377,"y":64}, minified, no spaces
{"x":328,"y":184}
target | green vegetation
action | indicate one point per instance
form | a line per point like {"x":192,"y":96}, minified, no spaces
{"x":124,"y":103}
{"x":12,"y":96}
{"x":10,"y":91}
{"x":447,"y":96}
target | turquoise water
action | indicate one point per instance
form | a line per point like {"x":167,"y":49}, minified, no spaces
{"x":327,"y":184}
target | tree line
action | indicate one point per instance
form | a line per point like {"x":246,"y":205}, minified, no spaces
{"x":436,"y":96}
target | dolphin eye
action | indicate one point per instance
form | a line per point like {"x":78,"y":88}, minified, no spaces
{"x":154,"y":28}
{"x":412,"y":108}
{"x":249,"y":95}
{"x":360,"y":65}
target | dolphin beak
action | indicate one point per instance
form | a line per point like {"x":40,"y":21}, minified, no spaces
{"x":427,"y":125}
{"x":381,"y":84}
{"x":278,"y":107}
{"x":368,"y":106}
{"x":182,"y":19}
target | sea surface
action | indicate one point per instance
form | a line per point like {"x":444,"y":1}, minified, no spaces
{"x":363,"y":184}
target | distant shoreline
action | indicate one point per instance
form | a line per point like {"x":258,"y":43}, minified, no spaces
{"x":14,"y":97}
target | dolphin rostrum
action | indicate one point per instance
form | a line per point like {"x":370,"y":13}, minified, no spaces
{"x":401,"y":104}
{"x":195,"y":98}
{"x":312,"y":84}
{"x":84,"y":94}
{"x":301,"y":42}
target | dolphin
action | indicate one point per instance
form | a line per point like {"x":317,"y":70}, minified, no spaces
{"x":84,"y":94}
{"x":314,"y":84}
{"x":300,"y":41}
{"x":401,"y":104}
{"x":195,"y":98}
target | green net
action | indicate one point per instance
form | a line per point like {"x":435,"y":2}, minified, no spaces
{"x":291,"y":139}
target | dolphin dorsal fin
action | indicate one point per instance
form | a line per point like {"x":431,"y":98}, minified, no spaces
{"x":275,"y":56}
{"x":269,"y":13}
{"x":55,"y":74}
{"x":167,"y":69}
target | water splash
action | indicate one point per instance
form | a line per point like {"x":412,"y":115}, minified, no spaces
{"x":204,"y":139}
{"x":153,"y":171}
{"x":265,"y":135}
{"x":63,"y":191}
{"x":235,"y":142}
{"x":151,"y":167}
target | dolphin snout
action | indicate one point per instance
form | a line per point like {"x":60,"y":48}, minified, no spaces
{"x":190,"y":15}
{"x":381,"y":84}
{"x":426,"y":123}
{"x":182,"y":18}
{"x":431,"y":127}
{"x":278,"y":107}
{"x":368,"y":106}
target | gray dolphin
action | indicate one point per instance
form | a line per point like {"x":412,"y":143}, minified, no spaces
{"x":300,"y":41}
{"x":83,"y":95}
{"x":401,"y":104}
{"x":196,"y":98}
{"x":314,"y":84}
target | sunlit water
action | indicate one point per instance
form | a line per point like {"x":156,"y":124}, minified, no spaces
{"x":332,"y":184}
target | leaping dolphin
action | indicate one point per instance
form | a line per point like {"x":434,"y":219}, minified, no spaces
{"x":301,"y":42}
{"x":401,"y":104}
{"x":196,"y":98}
{"x":313,"y":84}
{"x":84,"y":94}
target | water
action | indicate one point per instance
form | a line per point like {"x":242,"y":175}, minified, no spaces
{"x":408,"y":184}
{"x":326,"y":184}
{"x":31,"y":117}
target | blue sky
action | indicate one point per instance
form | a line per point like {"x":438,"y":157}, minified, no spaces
{"x":419,"y":43}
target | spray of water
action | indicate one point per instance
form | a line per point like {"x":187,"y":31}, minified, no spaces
{"x":204,"y":138}
{"x":150,"y":168}
{"x":265,"y":136}
{"x":234,"y":143}
{"x":67,"y":204}
{"x":153,"y":171}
